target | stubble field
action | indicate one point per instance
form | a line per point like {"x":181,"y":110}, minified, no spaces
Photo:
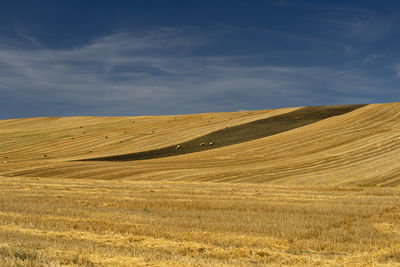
{"x":84,"y":222}
{"x":321,"y":194}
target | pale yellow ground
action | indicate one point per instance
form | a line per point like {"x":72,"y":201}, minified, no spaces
{"x":358,"y":148}
{"x":322,"y":194}
{"x":51,"y":222}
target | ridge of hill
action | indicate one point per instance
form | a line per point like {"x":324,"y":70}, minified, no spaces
{"x":357,"y":148}
{"x":72,"y":138}
{"x":326,"y":193}
{"x":240,"y":133}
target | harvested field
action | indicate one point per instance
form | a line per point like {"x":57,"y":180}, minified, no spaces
{"x":240,"y":133}
{"x":71,"y":138}
{"x":359,"y":148}
{"x":90,"y":222}
{"x":317,"y":190}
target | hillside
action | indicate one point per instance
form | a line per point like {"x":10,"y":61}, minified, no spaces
{"x":308,"y":186}
{"x":355,"y":148}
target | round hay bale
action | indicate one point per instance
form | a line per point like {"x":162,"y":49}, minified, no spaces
{"x":211,"y":143}
{"x":121,"y":141}
{"x":5,"y":161}
{"x":45,"y":155}
{"x":202,"y":144}
{"x":178,"y":147}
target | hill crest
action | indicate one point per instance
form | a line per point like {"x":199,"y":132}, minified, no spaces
{"x":358,"y":148}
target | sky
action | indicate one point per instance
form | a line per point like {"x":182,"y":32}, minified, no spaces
{"x":158,"y":57}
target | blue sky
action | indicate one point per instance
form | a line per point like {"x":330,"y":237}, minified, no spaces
{"x":155,"y":57}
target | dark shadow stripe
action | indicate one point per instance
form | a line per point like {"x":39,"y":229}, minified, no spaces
{"x":240,"y":133}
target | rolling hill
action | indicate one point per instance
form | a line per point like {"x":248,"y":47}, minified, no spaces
{"x":308,"y":186}
{"x":356,"y":147}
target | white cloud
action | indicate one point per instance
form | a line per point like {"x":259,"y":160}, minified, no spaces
{"x":155,"y":73}
{"x":358,"y":27}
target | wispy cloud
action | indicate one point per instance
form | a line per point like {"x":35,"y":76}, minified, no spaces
{"x":358,"y":28}
{"x":155,"y":72}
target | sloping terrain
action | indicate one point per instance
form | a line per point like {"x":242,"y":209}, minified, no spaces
{"x":240,"y":133}
{"x":83,"y":137}
{"x":291,"y":189}
{"x":356,"y":148}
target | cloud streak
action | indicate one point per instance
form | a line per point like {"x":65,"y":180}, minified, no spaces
{"x":157,"y":72}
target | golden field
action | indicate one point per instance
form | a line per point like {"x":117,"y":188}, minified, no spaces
{"x":322,"y":194}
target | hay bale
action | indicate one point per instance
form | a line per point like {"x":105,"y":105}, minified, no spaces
{"x":45,"y":155}
{"x":5,"y":161}
{"x":106,"y":136}
{"x":211,"y":143}
{"x":202,"y":144}
{"x":90,"y":151}
{"x":121,"y":141}
{"x":13,"y":141}
{"x":178,"y":147}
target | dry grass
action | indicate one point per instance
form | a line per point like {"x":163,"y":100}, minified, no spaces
{"x":323,"y":194}
{"x":86,"y":222}
{"x":359,"y":148}
{"x":72,"y":137}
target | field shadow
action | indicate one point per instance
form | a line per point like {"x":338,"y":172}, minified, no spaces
{"x":240,"y":133}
